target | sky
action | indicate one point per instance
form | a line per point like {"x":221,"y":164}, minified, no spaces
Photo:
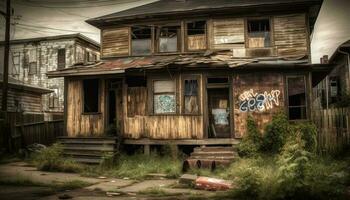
{"x":38,"y":18}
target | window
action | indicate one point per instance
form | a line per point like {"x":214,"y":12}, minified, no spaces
{"x":141,"y":40}
{"x":91,"y":95}
{"x":164,"y":101}
{"x":169,"y":38}
{"x":191,"y":100}
{"x":32,"y":68}
{"x":61,"y":58}
{"x":196,"y":35}
{"x":259,"y":33}
{"x":296,"y":97}
{"x":16,"y":63}
{"x":32,"y":61}
{"x":53,"y":99}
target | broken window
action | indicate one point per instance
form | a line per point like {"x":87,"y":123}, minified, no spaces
{"x":141,"y":40}
{"x":164,"y":101}
{"x":61,"y":58}
{"x":91,"y":95}
{"x":16,"y":63}
{"x":169,"y":38}
{"x":296,"y":97}
{"x":259,"y":33}
{"x":196,"y":35}
{"x":191,"y":100}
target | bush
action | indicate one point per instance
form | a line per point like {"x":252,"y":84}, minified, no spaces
{"x":276,"y":133}
{"x":251,"y":143}
{"x":308,"y":132}
{"x":51,"y":159}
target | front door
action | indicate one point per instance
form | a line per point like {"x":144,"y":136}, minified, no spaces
{"x":219,"y":113}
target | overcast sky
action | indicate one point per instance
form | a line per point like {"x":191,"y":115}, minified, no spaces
{"x":37,"y":18}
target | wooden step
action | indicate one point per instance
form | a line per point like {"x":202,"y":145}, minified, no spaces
{"x":102,"y":149}
{"x":214,"y":149}
{"x":217,"y":153}
{"x":213,"y":157}
{"x":88,"y":160}
{"x":80,"y":141}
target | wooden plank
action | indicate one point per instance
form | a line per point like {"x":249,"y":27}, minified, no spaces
{"x":216,"y":141}
{"x":115,"y":42}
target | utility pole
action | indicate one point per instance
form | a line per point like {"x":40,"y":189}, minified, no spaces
{"x":6,"y":133}
{"x":7,"y":16}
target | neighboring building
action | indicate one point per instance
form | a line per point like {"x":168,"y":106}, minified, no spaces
{"x":24,"y":98}
{"x":334,"y":89}
{"x":190,"y":72}
{"x":30,"y":59}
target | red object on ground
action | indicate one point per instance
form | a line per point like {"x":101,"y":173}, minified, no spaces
{"x":213,"y":184}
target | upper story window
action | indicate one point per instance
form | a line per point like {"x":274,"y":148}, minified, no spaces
{"x":259,"y":34}
{"x":168,"y":38}
{"x":61,"y":58}
{"x":196,"y":35}
{"x":141,"y":40}
{"x":16,"y":63}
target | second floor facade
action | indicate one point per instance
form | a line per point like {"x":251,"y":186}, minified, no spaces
{"x":275,"y":31}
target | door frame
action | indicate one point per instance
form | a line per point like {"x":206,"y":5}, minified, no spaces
{"x":206,"y":112}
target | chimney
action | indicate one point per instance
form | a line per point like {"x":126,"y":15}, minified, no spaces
{"x":324,"y":59}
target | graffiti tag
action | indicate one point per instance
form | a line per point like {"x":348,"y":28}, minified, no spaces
{"x":251,"y":101}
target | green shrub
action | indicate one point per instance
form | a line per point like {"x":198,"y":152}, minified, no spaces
{"x":308,"y":132}
{"x":51,"y":159}
{"x":276,"y":133}
{"x":251,"y":143}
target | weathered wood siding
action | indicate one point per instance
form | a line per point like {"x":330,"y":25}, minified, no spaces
{"x":249,"y":86}
{"x":196,"y":42}
{"x":138,"y":124}
{"x":78,"y":123}
{"x":227,"y":33}
{"x":27,"y":101}
{"x":115,"y":42}
{"x":290,"y":35}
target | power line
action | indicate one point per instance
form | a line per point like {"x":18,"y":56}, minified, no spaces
{"x":78,"y":6}
{"x":56,"y":29}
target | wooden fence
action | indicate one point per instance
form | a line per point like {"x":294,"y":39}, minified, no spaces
{"x":26,"y":129}
{"x":333,"y":129}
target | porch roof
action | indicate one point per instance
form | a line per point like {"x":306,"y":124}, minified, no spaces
{"x":210,"y":59}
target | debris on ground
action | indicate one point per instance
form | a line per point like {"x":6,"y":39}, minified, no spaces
{"x":212,"y":184}
{"x":157,"y":175}
{"x":110,"y":194}
{"x":188,"y":179}
{"x":101,"y":177}
{"x":64,"y":196}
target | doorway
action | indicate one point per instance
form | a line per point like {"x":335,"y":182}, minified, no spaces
{"x":219,"y":112}
{"x":113,"y":106}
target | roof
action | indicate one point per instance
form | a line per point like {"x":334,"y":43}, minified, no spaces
{"x":16,"y":84}
{"x":209,"y":60}
{"x":168,"y":7}
{"x":57,"y":37}
{"x":343,"y":47}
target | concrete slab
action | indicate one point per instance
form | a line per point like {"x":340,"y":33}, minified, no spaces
{"x":111,"y":185}
{"x":137,"y":187}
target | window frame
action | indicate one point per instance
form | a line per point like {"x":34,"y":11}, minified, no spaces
{"x":98,"y":98}
{"x":58,"y":62}
{"x":199,"y":96}
{"x":16,"y":67}
{"x":246,"y":33}
{"x":156,"y":38}
{"x":306,"y":98}
{"x":185,"y":29}
{"x":151,"y":45}
{"x":151,"y":95}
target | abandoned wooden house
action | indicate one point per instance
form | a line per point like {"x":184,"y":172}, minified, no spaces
{"x":30,"y":59}
{"x":24,"y":98}
{"x":190,"y":72}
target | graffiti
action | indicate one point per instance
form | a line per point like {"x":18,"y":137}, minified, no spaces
{"x":250,"y":101}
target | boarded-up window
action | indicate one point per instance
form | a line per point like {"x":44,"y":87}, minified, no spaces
{"x":191,"y":100}
{"x":91,"y":95}
{"x":141,"y":40}
{"x":61,"y":58}
{"x":296,"y":98}
{"x":196,"y":35}
{"x":115,"y":42}
{"x":164,"y":100}
{"x":169,"y":38}
{"x":229,"y":31}
{"x":259,"y":33}
{"x":16,"y":63}
{"x":32,"y":68}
